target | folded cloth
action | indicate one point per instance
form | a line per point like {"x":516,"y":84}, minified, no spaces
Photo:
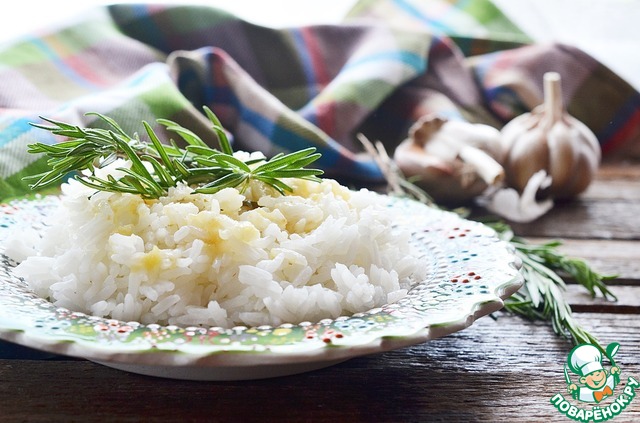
{"x":277,"y":90}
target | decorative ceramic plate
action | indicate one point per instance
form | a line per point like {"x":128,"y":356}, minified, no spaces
{"x":470,"y":271}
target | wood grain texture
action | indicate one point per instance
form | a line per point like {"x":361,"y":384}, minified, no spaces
{"x":587,"y":219}
{"x":609,"y":257}
{"x":498,"y":370}
{"x":608,"y":210}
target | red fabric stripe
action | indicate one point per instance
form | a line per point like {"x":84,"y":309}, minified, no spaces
{"x":83,"y":69}
{"x":325,"y":112}
{"x":624,"y":134}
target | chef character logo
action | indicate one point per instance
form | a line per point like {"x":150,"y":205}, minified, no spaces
{"x":594,"y":382}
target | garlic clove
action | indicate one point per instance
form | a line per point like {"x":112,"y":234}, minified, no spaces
{"x":453,"y":161}
{"x":562,"y":150}
{"x":570,"y":142}
{"x":526,"y":156}
{"x":412,"y":161}
{"x":487,"y":168}
{"x":519,"y":207}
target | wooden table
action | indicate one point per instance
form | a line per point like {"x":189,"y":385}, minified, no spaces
{"x":506,"y":369}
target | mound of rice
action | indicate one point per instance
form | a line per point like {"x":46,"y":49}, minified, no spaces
{"x":224,"y":259}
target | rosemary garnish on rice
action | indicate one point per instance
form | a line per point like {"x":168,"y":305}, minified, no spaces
{"x":156,"y":166}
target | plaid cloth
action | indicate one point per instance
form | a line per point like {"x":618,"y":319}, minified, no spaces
{"x":388,"y":63}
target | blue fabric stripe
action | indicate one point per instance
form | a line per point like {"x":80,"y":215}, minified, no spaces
{"x":15,"y":129}
{"x":331,"y":159}
{"x":368,"y":170}
{"x":143,"y":75}
{"x":224,"y":95}
{"x":147,"y":25}
{"x":411,"y":10}
{"x":62,"y":66}
{"x":262,"y":125}
{"x":306,"y":62}
{"x":415,"y":61}
{"x":291,"y":141}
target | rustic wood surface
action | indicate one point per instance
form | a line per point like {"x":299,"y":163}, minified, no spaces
{"x":502,"y":369}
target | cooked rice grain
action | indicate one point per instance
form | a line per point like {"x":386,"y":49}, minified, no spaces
{"x":221,"y":259}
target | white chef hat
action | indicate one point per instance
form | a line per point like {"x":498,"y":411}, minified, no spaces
{"x":585,"y":359}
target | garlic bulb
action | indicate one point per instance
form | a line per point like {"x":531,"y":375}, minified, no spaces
{"x":549,"y":138}
{"x":453,"y":161}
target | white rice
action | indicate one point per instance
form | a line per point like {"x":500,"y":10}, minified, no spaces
{"x":223,"y":259}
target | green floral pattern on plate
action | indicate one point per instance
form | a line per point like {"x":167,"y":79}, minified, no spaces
{"x":470,"y":271}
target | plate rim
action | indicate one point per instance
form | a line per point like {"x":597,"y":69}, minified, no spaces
{"x":106,"y":354}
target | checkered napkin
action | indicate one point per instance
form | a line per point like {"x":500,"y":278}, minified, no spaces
{"x":388,"y":63}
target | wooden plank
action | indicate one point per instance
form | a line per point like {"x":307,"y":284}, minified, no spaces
{"x":615,"y":181}
{"x":628,"y":300}
{"x":619,"y":170}
{"x":496,"y":370}
{"x":609,"y":257}
{"x":586,"y":219}
{"x":504,"y":370}
{"x":619,"y":189}
{"x":608,"y":209}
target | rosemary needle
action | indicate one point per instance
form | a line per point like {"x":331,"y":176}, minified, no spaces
{"x":542,"y":295}
{"x":210,"y":170}
{"x":156,"y":167}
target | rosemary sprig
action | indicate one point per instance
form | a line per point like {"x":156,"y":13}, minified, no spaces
{"x":542,"y":295}
{"x":156,"y":167}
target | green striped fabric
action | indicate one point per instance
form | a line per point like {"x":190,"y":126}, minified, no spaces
{"x":385,"y":65}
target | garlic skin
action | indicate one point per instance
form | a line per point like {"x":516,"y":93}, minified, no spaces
{"x":519,"y":207}
{"x":452,"y":161}
{"x":549,"y":139}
